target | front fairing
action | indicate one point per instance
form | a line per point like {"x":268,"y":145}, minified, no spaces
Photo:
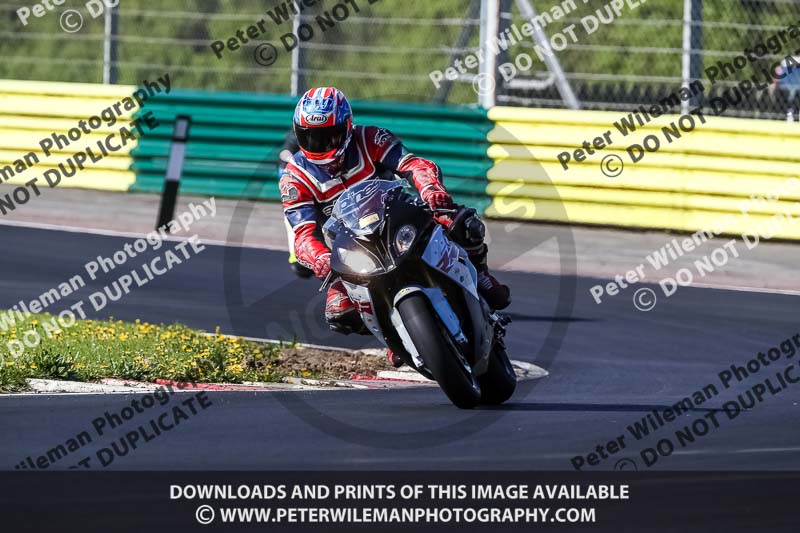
{"x":362,"y":236}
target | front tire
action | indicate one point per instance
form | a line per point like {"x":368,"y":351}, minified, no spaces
{"x":500,"y":381}
{"x":439,"y":352}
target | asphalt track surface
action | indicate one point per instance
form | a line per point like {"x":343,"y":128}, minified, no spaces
{"x":609,"y":366}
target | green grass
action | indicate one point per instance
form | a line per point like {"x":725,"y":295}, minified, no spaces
{"x":91,"y":350}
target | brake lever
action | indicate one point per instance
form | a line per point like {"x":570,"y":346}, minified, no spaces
{"x":439,"y":210}
{"x":326,"y":281}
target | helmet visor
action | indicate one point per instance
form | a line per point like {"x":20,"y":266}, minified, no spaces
{"x":321,"y":140}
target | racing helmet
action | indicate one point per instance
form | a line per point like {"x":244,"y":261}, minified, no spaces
{"x":323,"y":124}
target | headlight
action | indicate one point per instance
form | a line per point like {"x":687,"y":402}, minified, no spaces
{"x":405,"y":238}
{"x":357,"y":261}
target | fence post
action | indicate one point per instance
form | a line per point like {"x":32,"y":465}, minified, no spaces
{"x":172,"y":180}
{"x":298,"y":79}
{"x":490,"y":27}
{"x":692,"y":59}
{"x":110,"y":71}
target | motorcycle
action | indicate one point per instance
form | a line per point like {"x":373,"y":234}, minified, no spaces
{"x":417,"y":292}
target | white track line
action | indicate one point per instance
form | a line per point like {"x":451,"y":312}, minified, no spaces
{"x":790,"y":292}
{"x":128,"y":234}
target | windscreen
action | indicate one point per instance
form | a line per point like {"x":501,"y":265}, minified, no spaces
{"x":361,"y":208}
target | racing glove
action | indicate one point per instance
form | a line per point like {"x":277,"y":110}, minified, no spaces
{"x":437,"y":198}
{"x":322,"y":265}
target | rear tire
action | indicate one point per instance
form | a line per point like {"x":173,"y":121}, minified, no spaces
{"x":439,"y":352}
{"x":500,"y":380}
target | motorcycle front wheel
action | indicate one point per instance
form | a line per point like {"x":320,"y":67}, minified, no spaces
{"x":440,"y":354}
{"x":500,"y":380}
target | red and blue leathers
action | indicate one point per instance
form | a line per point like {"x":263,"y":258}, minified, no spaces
{"x":309,"y":191}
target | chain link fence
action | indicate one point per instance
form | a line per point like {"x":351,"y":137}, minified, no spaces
{"x":637,"y":57}
{"x":611,"y":54}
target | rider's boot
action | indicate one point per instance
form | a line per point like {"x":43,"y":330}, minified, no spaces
{"x":468,"y":230}
{"x":340,"y":313}
{"x":394,"y":360}
{"x":497,"y":295}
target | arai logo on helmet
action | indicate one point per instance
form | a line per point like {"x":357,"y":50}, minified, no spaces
{"x":316,"y":119}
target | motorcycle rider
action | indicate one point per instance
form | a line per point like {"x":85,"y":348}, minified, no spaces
{"x":335,"y":155}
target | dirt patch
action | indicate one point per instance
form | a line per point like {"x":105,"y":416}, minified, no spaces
{"x":328,"y":364}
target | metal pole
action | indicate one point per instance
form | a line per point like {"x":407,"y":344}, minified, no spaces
{"x":696,"y":67}
{"x":686,"y":57}
{"x":490,"y":26}
{"x":540,"y":38}
{"x":692,"y":57}
{"x":298,"y":80}
{"x":503,"y":56}
{"x":111,"y":30}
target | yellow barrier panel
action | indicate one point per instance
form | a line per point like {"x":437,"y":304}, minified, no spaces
{"x":652,"y":161}
{"x":642,"y":179}
{"x":673,"y":200}
{"x":641,"y":217}
{"x":607,"y":118}
{"x":32,"y":110}
{"x":700,"y":173}
{"x":83,"y":90}
{"x":23,"y":141}
{"x":89,"y":178}
{"x":698,"y":141}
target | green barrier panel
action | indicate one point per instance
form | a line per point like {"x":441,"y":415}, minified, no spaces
{"x":235,"y":139}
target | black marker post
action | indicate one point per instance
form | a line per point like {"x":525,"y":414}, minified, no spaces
{"x":172,"y":181}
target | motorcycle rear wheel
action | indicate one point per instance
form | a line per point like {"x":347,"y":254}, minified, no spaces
{"x":439,"y":352}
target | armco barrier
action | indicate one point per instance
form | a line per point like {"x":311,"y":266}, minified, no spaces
{"x":688,"y":184}
{"x":233,"y":149}
{"x":32,"y":110}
